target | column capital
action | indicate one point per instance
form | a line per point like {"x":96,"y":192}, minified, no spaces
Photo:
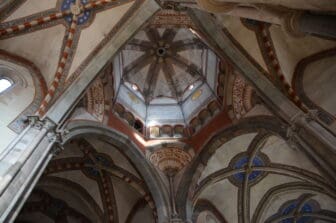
{"x":292,"y":134}
{"x":53,"y":135}
{"x":36,"y":122}
{"x":56,"y":137}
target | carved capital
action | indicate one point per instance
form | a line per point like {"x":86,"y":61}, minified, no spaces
{"x":48,"y":124}
{"x":296,"y":125}
{"x":292,"y":134}
{"x":56,"y":138}
{"x":57,"y":148}
{"x":35,"y":121}
{"x":312,"y":115}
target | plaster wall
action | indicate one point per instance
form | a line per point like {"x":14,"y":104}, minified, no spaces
{"x":118,"y":158}
{"x":206,"y":217}
{"x":87,"y":183}
{"x":240,"y":32}
{"x":41,"y":47}
{"x":279,"y":152}
{"x":125,"y":197}
{"x":144,"y":215}
{"x":226,"y":152}
{"x":13,"y":101}
{"x":74,"y":202}
{"x":227,"y":203}
{"x":96,"y":32}
{"x":321,"y":73}
{"x":291,"y":50}
{"x":30,"y":7}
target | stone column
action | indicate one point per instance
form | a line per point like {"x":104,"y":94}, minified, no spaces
{"x":25,"y":159}
{"x":170,"y":161}
{"x":319,"y":142}
{"x":22,"y":164}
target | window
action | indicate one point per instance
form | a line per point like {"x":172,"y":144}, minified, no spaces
{"x":5,"y":84}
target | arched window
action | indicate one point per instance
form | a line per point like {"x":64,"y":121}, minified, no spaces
{"x":5,"y":84}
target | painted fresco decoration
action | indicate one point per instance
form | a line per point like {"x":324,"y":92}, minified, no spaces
{"x":300,"y":210}
{"x":77,"y":14}
{"x":83,"y":16}
{"x":167,"y":77}
{"x":167,"y":85}
{"x":243,"y":161}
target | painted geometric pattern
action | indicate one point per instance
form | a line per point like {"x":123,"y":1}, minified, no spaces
{"x":297,"y":211}
{"x":82,"y":18}
{"x":99,"y":159}
{"x":306,"y":208}
{"x":242,"y":162}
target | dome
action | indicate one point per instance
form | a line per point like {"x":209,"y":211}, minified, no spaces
{"x":165,"y":76}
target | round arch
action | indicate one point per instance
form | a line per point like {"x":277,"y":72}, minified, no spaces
{"x":298,"y":83}
{"x":188,"y":183}
{"x":69,"y":187}
{"x":77,"y":129}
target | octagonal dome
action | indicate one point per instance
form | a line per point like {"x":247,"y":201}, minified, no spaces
{"x":164,"y":76}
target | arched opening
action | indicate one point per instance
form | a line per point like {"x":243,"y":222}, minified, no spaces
{"x":104,"y":178}
{"x":310,"y":74}
{"x":5,"y":84}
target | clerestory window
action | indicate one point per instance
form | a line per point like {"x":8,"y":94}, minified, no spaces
{"x":5,"y":84}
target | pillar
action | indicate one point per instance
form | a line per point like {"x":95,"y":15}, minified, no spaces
{"x":317,"y":141}
{"x":25,"y":159}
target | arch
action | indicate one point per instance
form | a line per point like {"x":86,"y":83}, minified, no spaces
{"x":205,"y":205}
{"x":52,"y":207}
{"x":138,"y":206}
{"x":18,"y":124}
{"x":125,"y":146}
{"x":190,"y":187}
{"x":280,"y":189}
{"x":297,"y":83}
{"x":73,"y":188}
{"x":187,"y":186}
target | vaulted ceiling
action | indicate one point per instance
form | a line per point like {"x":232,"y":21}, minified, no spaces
{"x":166,"y":76}
{"x":167,"y":88}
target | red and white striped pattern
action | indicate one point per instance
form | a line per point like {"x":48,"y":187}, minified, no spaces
{"x":34,"y":22}
{"x":276,"y":66}
{"x":49,"y":18}
{"x":64,"y":56}
{"x":60,"y":68}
